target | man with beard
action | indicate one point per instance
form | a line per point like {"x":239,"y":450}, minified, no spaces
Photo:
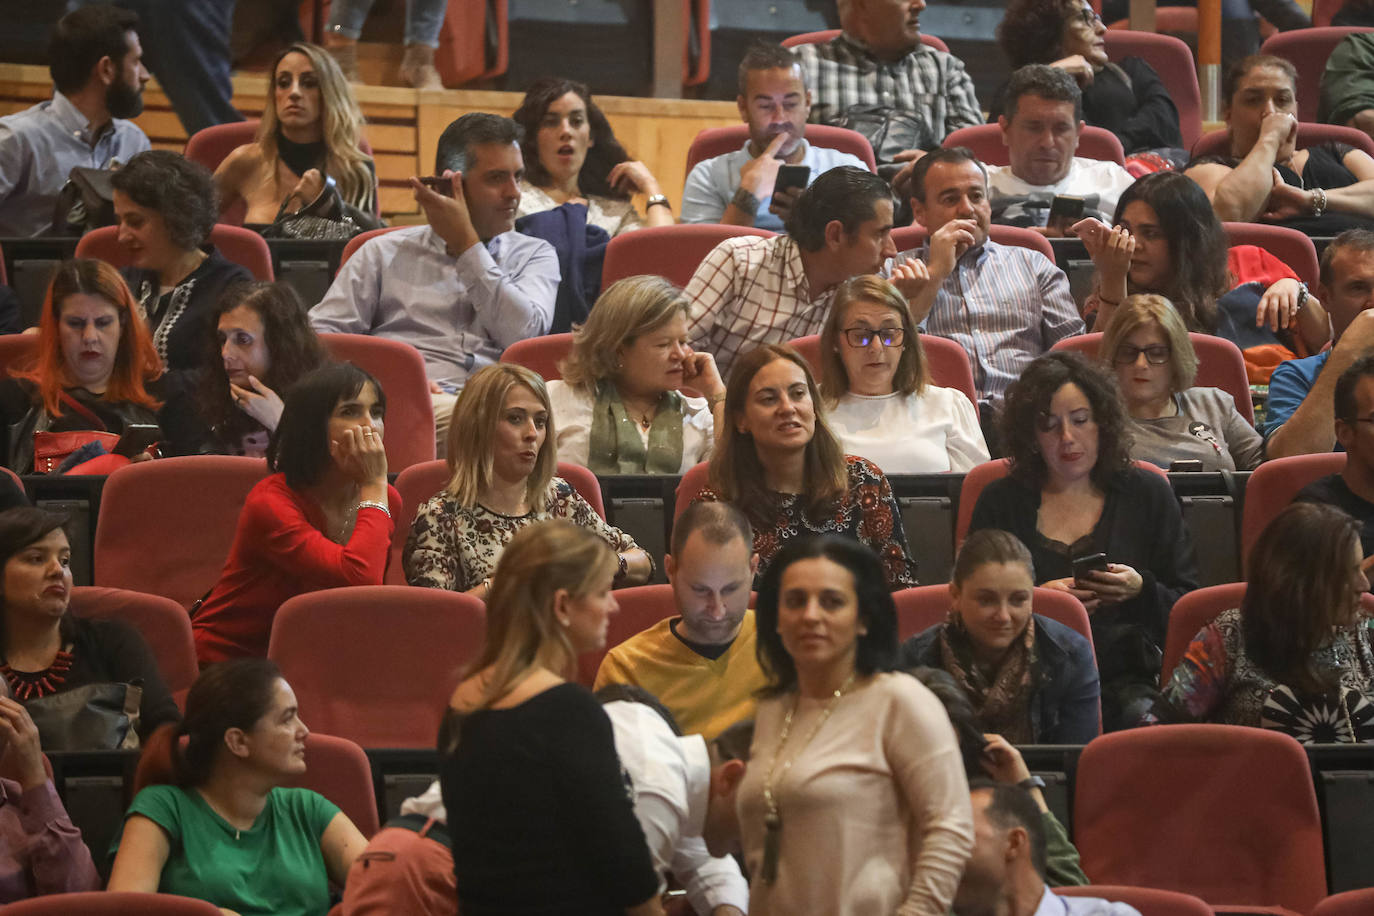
{"x":737,"y":188}
{"x":96,"y":64}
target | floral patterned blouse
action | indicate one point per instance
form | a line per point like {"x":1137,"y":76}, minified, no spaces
{"x":456,"y":547}
{"x":1217,"y":681}
{"x":868,"y":512}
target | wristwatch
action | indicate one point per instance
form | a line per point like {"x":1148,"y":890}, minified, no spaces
{"x":656,"y":200}
{"x":1031,"y":782}
{"x":746,"y":201}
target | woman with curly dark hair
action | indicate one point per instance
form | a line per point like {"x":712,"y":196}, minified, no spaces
{"x":1073,"y":495}
{"x":166,"y":207}
{"x":1126,"y":98}
{"x":572,"y":156}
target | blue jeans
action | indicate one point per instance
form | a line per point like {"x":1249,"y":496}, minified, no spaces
{"x":424,"y":19}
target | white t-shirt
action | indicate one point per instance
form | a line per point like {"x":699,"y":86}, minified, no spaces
{"x":1017,"y":203}
{"x":929,"y":433}
{"x":572,"y":418}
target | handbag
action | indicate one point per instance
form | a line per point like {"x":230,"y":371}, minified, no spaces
{"x":84,"y":203}
{"x":326,"y":217}
{"x":51,"y":449}
{"x":93,"y":717}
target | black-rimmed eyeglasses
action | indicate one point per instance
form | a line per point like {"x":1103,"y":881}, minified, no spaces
{"x":862,"y":337}
{"x":1155,"y":355}
{"x":1088,"y":17}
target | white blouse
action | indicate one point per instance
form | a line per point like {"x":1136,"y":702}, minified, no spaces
{"x":929,"y":433}
{"x":572,"y":420}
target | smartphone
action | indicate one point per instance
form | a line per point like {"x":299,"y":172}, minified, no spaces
{"x":1093,"y":562}
{"x":1188,"y":465}
{"x":791,"y":176}
{"x":438,"y":184}
{"x":1065,"y":210}
{"x":136,"y":438}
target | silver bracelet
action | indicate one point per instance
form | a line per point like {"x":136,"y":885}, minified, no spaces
{"x":1319,"y":201}
{"x":375,"y":505}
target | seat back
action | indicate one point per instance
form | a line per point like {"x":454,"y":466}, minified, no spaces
{"x":108,"y":903}
{"x":413,"y":663}
{"x":361,"y":239}
{"x":1219,"y":364}
{"x":540,"y":354}
{"x":163,"y":624}
{"x":692,"y":483}
{"x":1350,"y":903}
{"x":949,"y":365}
{"x":1218,"y":142}
{"x":399,"y":367}
{"x":17,"y":351}
{"x":1144,"y":899}
{"x":474,"y":42}
{"x":1323,"y":11}
{"x":1307,"y":50}
{"x":1173,"y":19}
{"x":211,"y":145}
{"x":1273,"y":485}
{"x":640,"y":608}
{"x":241,"y":246}
{"x":827,"y":35}
{"x":914,"y":236}
{"x":666,"y":251}
{"x":1288,"y":245}
{"x":985,"y":140}
{"x":717,"y":141}
{"x":1243,"y":795}
{"x":339,"y":770}
{"x":165,"y":527}
{"x":1190,"y":613}
{"x":1173,"y":60}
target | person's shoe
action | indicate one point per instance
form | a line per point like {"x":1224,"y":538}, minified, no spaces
{"x":417,"y":68}
{"x":345,"y":54}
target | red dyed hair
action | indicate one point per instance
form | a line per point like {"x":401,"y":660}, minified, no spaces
{"x":136,"y":361}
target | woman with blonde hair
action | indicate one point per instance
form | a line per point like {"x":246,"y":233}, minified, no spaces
{"x":537,"y":809}
{"x":618,"y":407}
{"x":778,"y":461}
{"x":502,"y":461}
{"x":1148,"y":347}
{"x":877,"y":390}
{"x":308,"y":137}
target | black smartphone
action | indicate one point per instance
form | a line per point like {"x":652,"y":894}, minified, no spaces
{"x":1066,"y":207}
{"x":1190,"y":465}
{"x":791,"y":176}
{"x":136,"y":438}
{"x":1093,"y":562}
{"x":438,"y":184}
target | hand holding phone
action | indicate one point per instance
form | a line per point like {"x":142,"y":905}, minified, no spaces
{"x":1084,"y":566}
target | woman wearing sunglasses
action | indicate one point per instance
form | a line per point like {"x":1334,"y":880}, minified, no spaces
{"x":876,"y":386}
{"x":1171,"y":420}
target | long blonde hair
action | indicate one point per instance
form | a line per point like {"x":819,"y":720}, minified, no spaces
{"x":342,"y":127}
{"x":627,"y":310}
{"x":522,"y":631}
{"x":472,"y":433}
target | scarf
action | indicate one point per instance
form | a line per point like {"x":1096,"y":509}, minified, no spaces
{"x":300,"y":157}
{"x":1002,"y":704}
{"x":614,"y":445}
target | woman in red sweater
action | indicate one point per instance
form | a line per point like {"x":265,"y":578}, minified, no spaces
{"x":323,"y":520}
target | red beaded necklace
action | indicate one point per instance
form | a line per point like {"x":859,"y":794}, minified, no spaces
{"x":30,"y":685}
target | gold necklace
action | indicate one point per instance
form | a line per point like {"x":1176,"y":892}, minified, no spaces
{"x":772,"y":820}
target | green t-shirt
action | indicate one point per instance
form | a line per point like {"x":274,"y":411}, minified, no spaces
{"x":275,"y":867}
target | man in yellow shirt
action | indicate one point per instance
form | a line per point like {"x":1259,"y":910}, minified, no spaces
{"x":701,"y":664}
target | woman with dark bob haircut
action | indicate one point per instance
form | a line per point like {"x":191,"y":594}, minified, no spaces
{"x":1126,"y":98}
{"x":213,"y":818}
{"x":45,"y":650}
{"x":258,"y":343}
{"x":1296,"y":656}
{"x":572,"y":156}
{"x":1168,"y":241}
{"x":323,"y":520}
{"x":166,"y":206}
{"x":1072,"y":493}
{"x":856,"y":800}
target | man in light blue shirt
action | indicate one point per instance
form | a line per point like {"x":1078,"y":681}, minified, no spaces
{"x":464,"y":287}
{"x":97,"y":69}
{"x":737,"y":188}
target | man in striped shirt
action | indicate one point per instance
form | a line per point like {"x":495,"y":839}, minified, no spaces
{"x":1005,"y":305}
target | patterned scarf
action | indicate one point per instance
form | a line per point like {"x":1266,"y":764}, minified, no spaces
{"x":614,"y":445}
{"x":1002,"y":704}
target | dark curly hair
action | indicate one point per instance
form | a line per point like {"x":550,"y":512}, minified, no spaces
{"x":1028,"y":399}
{"x":876,"y":648}
{"x":182,"y":192}
{"x":293,"y":349}
{"x":1032,"y":31}
{"x":604,"y":154}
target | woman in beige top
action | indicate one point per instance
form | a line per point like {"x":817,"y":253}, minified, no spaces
{"x":855,"y":800}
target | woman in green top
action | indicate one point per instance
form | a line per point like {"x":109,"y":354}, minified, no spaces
{"x":215,"y":823}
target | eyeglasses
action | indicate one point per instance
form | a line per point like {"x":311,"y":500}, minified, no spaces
{"x":1155,"y":355}
{"x":1088,"y":17}
{"x":862,"y":337}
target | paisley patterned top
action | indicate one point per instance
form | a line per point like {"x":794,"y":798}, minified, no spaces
{"x":456,"y":547}
{"x":868,"y":513}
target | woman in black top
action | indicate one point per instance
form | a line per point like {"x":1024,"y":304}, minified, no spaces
{"x":538,"y":810}
{"x":44,"y":650}
{"x":1072,"y":492}
{"x":166,"y":208}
